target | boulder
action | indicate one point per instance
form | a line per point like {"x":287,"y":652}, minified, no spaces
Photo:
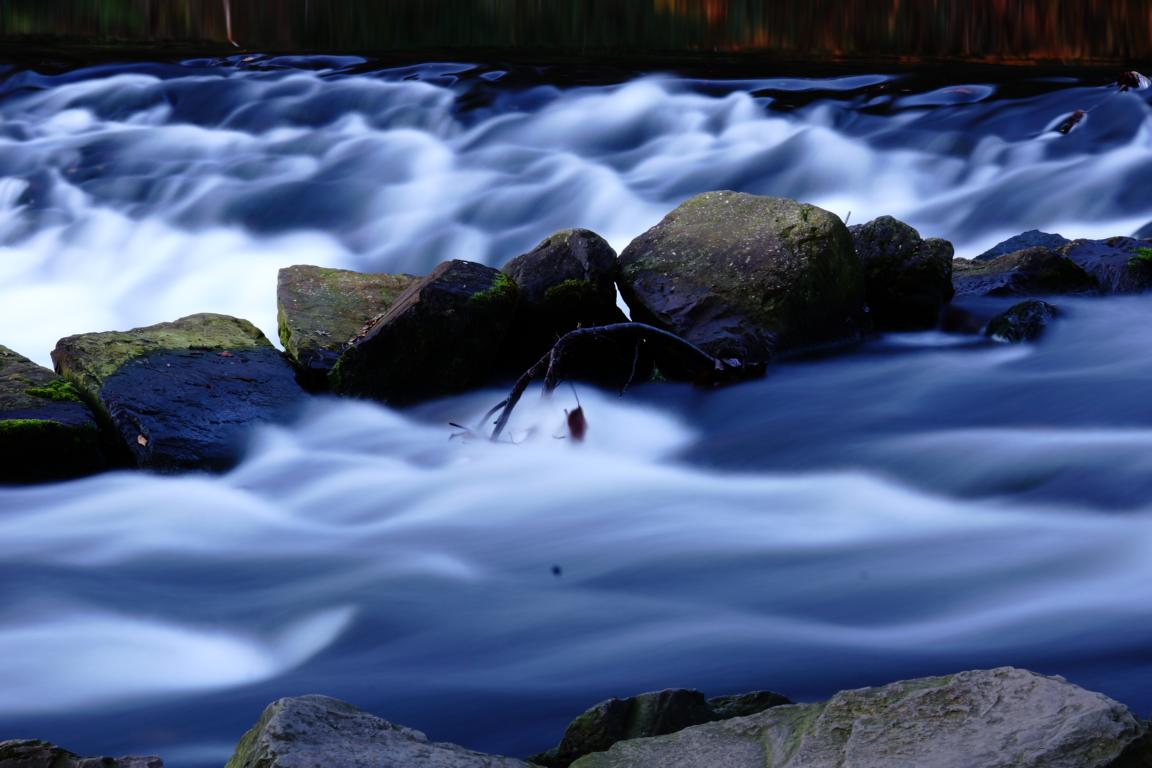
{"x":30,"y":753}
{"x":1000,"y":718}
{"x":1025,"y":321}
{"x":742,"y":704}
{"x":1030,"y":272}
{"x":649,"y":714}
{"x":1033,"y":238}
{"x":1119,"y":264}
{"x":318,"y":731}
{"x":443,"y":335}
{"x":907,"y":280}
{"x":46,"y":430}
{"x":746,"y":277}
{"x":319,"y":310}
{"x":183,"y":395}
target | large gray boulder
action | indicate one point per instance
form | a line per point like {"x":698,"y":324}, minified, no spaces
{"x":443,"y":335}
{"x":313,"y":731}
{"x":46,"y":431}
{"x":319,"y":310}
{"x":746,"y":277}
{"x":1000,"y":718}
{"x":907,"y":279}
{"x":32,"y":753}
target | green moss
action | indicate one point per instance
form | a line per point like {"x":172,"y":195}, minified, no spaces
{"x":1143,"y":258}
{"x":572,"y":293}
{"x":58,"y":391}
{"x":502,"y":290}
{"x":12,"y":426}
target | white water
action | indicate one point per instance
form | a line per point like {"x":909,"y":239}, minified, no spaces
{"x":920,"y":507}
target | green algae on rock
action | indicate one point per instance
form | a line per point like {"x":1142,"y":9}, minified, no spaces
{"x":46,"y":431}
{"x":443,"y":335}
{"x":746,"y":277}
{"x":319,"y":310}
{"x":183,"y":395}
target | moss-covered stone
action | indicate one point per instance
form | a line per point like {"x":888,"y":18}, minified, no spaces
{"x":1031,"y":272}
{"x":183,"y":395}
{"x":46,"y":432}
{"x":442,"y":335}
{"x":32,"y":753}
{"x":319,"y":310}
{"x":907,"y":280}
{"x":1025,"y":321}
{"x":1119,"y":264}
{"x":746,"y":277}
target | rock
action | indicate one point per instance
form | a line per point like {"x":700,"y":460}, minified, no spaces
{"x":1001,"y":718}
{"x":649,"y":714}
{"x":1030,"y":272}
{"x":46,"y":431}
{"x":183,"y":395}
{"x":1033,"y":238}
{"x":907,"y":280}
{"x":31,"y":753}
{"x":313,"y":731}
{"x":743,"y":704}
{"x":442,"y":335}
{"x":1119,"y":264}
{"x":319,"y":310}
{"x":746,"y":277}
{"x":1025,"y":321}
{"x":1144,"y":233}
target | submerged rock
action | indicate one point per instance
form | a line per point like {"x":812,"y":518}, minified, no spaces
{"x":319,"y":310}
{"x":443,"y":335}
{"x":1025,"y":321}
{"x":1033,"y":238}
{"x":318,"y":731}
{"x":907,"y":280}
{"x":46,"y":430}
{"x":1001,"y":718}
{"x":31,"y":753}
{"x":1119,"y":264}
{"x":1030,"y":272}
{"x":183,"y":395}
{"x":746,"y":277}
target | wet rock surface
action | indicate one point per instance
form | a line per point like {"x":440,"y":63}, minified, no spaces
{"x":311,"y":731}
{"x":1025,"y":321}
{"x":1119,"y":264}
{"x":907,"y":279}
{"x":319,"y":310}
{"x":1030,"y":272}
{"x":185,"y":394}
{"x":30,"y":753}
{"x":1033,"y":238}
{"x":443,"y":335}
{"x":46,"y":430}
{"x":746,"y":277}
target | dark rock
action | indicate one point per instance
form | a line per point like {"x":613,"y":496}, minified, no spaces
{"x":1071,"y":122}
{"x":1000,"y":718}
{"x":1144,"y":233}
{"x":1033,"y":238}
{"x":1119,"y":264}
{"x":1031,"y":272}
{"x":442,"y":335}
{"x":566,"y":282}
{"x":746,"y":277}
{"x":649,"y":714}
{"x":743,"y":704}
{"x":183,"y":395}
{"x":1025,"y":321}
{"x":46,"y":430}
{"x":319,"y":310}
{"x":907,"y":280}
{"x":1132,"y":80}
{"x":31,"y":753}
{"x":318,"y":731}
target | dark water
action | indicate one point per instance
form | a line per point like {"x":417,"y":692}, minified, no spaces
{"x":924,"y":505}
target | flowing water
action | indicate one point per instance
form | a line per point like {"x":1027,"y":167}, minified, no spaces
{"x":923,"y":505}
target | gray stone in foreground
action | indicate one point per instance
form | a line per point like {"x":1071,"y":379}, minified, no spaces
{"x":1000,"y":718}
{"x":31,"y":753}
{"x":312,"y":731}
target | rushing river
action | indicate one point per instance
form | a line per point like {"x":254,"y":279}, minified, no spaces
{"x":924,"y":505}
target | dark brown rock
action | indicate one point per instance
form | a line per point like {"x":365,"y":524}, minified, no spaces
{"x":907,"y":280}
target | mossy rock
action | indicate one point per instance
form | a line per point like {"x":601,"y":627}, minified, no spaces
{"x":1119,"y":264}
{"x":320,"y":310}
{"x":1033,"y":238}
{"x":443,"y":335}
{"x":46,"y":431}
{"x":1025,"y":321}
{"x":1031,"y":272}
{"x":1000,"y":718}
{"x":33,"y":753}
{"x":183,"y":395}
{"x":746,"y":277}
{"x":907,"y":279}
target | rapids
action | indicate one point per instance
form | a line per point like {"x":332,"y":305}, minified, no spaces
{"x":923,"y":505}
